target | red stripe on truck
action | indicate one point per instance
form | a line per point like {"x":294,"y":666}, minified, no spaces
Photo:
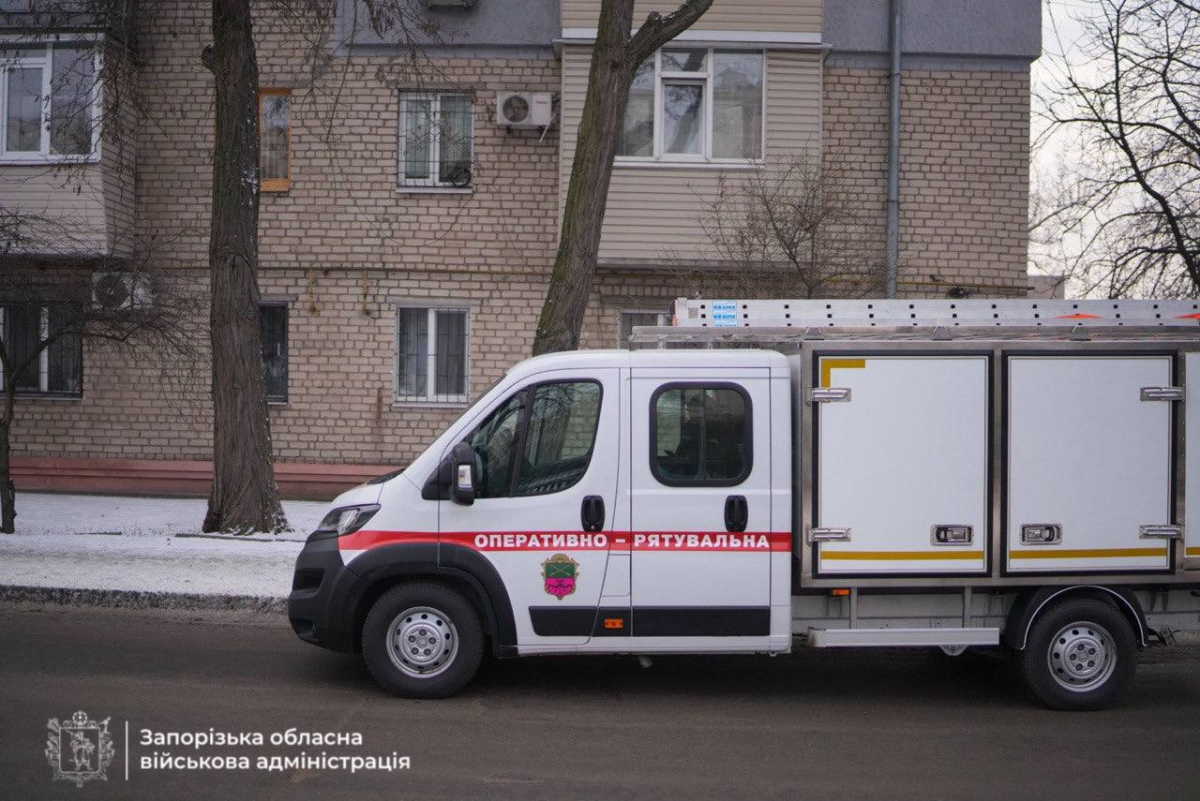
{"x":747,"y":542}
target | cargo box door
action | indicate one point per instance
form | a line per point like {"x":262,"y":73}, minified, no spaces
{"x":902,"y":465}
{"x":1089,"y":463}
{"x":1192,"y":466}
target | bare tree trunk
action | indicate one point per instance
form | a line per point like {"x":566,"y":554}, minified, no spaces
{"x":615,"y":58}
{"x":8,"y":499}
{"x":244,"y":497}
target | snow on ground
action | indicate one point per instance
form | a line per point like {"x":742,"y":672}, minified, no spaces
{"x":106,"y":542}
{"x":59,"y":513}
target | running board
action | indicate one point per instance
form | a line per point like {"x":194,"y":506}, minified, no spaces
{"x":898,"y":638}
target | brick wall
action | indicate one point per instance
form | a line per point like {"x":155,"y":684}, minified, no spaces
{"x":964,"y":177}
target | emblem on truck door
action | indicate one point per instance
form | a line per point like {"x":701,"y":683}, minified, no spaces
{"x":559,"y":574}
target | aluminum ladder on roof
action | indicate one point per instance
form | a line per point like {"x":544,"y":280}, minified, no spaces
{"x":717,"y":313}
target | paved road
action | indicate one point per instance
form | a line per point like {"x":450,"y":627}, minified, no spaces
{"x":812,"y":725}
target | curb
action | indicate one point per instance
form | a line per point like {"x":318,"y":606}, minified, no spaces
{"x":135,"y":599}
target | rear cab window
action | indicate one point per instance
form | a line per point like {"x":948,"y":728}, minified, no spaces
{"x":700,"y":435}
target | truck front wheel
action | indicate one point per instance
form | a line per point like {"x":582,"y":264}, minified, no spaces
{"x":422,"y":640}
{"x":1080,"y":655}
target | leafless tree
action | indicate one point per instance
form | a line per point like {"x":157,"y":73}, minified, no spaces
{"x":1132,"y":203}
{"x":616,"y":55}
{"x":791,"y":229}
{"x":244,"y":496}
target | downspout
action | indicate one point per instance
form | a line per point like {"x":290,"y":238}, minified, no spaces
{"x":893,"y":178}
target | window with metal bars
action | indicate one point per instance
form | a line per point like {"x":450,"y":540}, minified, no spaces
{"x":55,"y":370}
{"x":436,"y":132}
{"x":432,"y":354}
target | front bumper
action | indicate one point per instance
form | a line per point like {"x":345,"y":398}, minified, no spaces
{"x":323,"y":602}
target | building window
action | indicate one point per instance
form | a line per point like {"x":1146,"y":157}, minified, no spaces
{"x":436,"y":132}
{"x":695,"y":104}
{"x":57,"y":368}
{"x":628,"y":319}
{"x":48,"y":94}
{"x":275,"y":139}
{"x":273,"y":321}
{"x":700,"y":435}
{"x":431,"y":354}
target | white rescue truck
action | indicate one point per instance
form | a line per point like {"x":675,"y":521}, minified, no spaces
{"x":766,"y":474}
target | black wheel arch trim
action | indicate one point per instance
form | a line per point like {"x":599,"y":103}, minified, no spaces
{"x":464,"y":566}
{"x":1029,"y":605}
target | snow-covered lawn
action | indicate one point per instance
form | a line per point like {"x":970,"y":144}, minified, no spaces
{"x":107,"y":542}
{"x":58,"y":513}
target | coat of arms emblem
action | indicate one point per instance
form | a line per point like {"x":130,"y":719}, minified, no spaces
{"x":559,"y":574}
{"x":79,"y":749}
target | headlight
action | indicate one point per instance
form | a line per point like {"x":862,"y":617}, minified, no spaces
{"x":344,"y":520}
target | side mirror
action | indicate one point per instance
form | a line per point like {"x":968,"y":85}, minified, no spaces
{"x":462,"y":474}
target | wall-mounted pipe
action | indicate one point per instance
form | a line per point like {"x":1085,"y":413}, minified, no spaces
{"x":893,"y":178}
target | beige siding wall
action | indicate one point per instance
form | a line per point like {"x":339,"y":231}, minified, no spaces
{"x":118,"y":158}
{"x":723,"y":15}
{"x":657,"y":211}
{"x":62,"y":207}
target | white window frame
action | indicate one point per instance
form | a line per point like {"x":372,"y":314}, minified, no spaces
{"x":45,"y":62}
{"x":432,"y":184}
{"x":706,"y":76}
{"x":431,"y":396}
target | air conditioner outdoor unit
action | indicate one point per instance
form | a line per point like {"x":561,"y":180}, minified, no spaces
{"x":115,"y":291}
{"x":523,"y":109}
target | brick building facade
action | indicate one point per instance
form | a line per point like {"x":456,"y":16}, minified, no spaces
{"x":353,"y":247}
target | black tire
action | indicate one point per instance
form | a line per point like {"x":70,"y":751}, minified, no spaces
{"x":442,"y":621}
{"x":1080,"y":656}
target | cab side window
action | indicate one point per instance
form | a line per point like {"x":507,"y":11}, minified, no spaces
{"x":558,"y":443}
{"x":495,"y":445}
{"x":539,"y":441}
{"x":700,"y":435}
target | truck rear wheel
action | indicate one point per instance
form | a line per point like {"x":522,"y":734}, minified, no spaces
{"x":422,"y":640}
{"x":1080,"y":655}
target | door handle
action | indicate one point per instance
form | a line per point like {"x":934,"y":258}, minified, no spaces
{"x":737,"y":513}
{"x":591,"y":513}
